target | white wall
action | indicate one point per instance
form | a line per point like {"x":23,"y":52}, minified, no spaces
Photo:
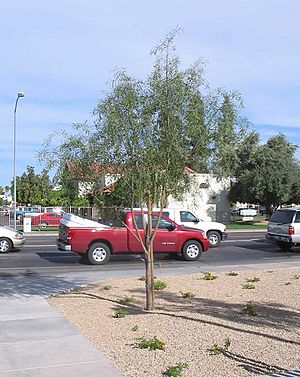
{"x":207,"y":198}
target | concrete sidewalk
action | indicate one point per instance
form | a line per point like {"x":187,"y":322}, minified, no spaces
{"x":37,"y":341}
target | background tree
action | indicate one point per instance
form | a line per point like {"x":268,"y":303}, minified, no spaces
{"x":146,"y":133}
{"x":33,"y":188}
{"x":271,"y":175}
{"x":1,"y":193}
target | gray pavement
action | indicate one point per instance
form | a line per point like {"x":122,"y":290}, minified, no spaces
{"x":37,"y":341}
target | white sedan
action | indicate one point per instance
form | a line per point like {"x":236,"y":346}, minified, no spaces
{"x":10,"y":239}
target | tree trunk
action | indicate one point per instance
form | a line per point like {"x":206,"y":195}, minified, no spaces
{"x":149,"y":284}
{"x":149,"y":260}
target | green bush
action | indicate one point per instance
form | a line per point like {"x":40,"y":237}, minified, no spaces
{"x":151,"y":344}
{"x":255,"y":279}
{"x":175,"y":370}
{"x":249,"y":309}
{"x":159,"y":285}
{"x":232,"y":273}
{"x":187,"y":294}
{"x":217,"y":350}
{"x":126,"y":300}
{"x":120,"y":313}
{"x":209,"y":276}
{"x":107,"y":287}
{"x":248,"y":286}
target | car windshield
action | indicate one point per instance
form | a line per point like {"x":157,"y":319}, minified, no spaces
{"x":283,"y":217}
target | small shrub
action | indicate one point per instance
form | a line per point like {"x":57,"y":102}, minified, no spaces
{"x":287,"y":283}
{"x":248,"y":286}
{"x":126,"y":300}
{"x":187,"y":294}
{"x":107,"y":287}
{"x":296,"y":277}
{"x":217,"y":350}
{"x":232,"y":273}
{"x":120,"y":313}
{"x":159,"y":285}
{"x":175,"y":370}
{"x":209,"y":276}
{"x":249,"y":309}
{"x":151,"y":344}
{"x":255,"y":279}
{"x":135,"y":328}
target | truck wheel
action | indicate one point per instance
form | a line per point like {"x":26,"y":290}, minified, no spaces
{"x":99,"y":253}
{"x":284,"y":246}
{"x":192,"y":250}
{"x":5,"y":245}
{"x":214,"y":238}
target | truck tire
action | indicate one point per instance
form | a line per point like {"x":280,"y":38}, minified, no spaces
{"x":284,"y":246}
{"x":98,"y":253}
{"x":192,"y":250}
{"x":214,"y":238}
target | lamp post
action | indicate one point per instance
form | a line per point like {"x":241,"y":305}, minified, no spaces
{"x":20,"y":94}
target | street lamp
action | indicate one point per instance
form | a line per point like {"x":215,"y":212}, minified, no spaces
{"x":20,"y":94}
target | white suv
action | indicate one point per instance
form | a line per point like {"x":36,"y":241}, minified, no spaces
{"x":284,"y":228}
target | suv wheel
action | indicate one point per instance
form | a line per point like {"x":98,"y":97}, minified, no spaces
{"x":284,"y":246}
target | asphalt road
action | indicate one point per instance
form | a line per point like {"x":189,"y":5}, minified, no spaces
{"x":40,"y":255}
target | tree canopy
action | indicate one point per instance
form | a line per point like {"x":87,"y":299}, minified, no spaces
{"x":146,"y":132}
{"x":268,"y":174}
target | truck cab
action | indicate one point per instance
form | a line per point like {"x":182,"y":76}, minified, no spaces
{"x":215,"y":231}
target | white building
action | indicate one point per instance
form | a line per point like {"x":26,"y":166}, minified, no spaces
{"x":207,"y":198}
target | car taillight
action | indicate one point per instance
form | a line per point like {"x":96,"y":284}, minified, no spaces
{"x":291,"y":230}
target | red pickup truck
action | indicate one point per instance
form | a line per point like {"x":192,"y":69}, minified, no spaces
{"x":97,"y":241}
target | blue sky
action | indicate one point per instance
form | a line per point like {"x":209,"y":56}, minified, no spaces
{"x":62,"y":54}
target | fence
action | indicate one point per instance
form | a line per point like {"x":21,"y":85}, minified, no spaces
{"x":44,"y":217}
{"x":49,"y":217}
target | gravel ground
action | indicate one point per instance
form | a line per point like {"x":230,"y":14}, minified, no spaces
{"x":190,"y":327}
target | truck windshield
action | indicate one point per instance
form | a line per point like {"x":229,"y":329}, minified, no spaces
{"x":187,"y":217}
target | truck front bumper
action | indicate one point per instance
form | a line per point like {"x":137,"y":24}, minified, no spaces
{"x":224,"y":236}
{"x":63,"y":246}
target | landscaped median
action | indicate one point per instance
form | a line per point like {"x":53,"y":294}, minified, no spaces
{"x":207,"y":324}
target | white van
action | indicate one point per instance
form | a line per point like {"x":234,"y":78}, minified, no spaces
{"x":215,"y":232}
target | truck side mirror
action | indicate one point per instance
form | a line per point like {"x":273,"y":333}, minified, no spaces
{"x":171,"y":227}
